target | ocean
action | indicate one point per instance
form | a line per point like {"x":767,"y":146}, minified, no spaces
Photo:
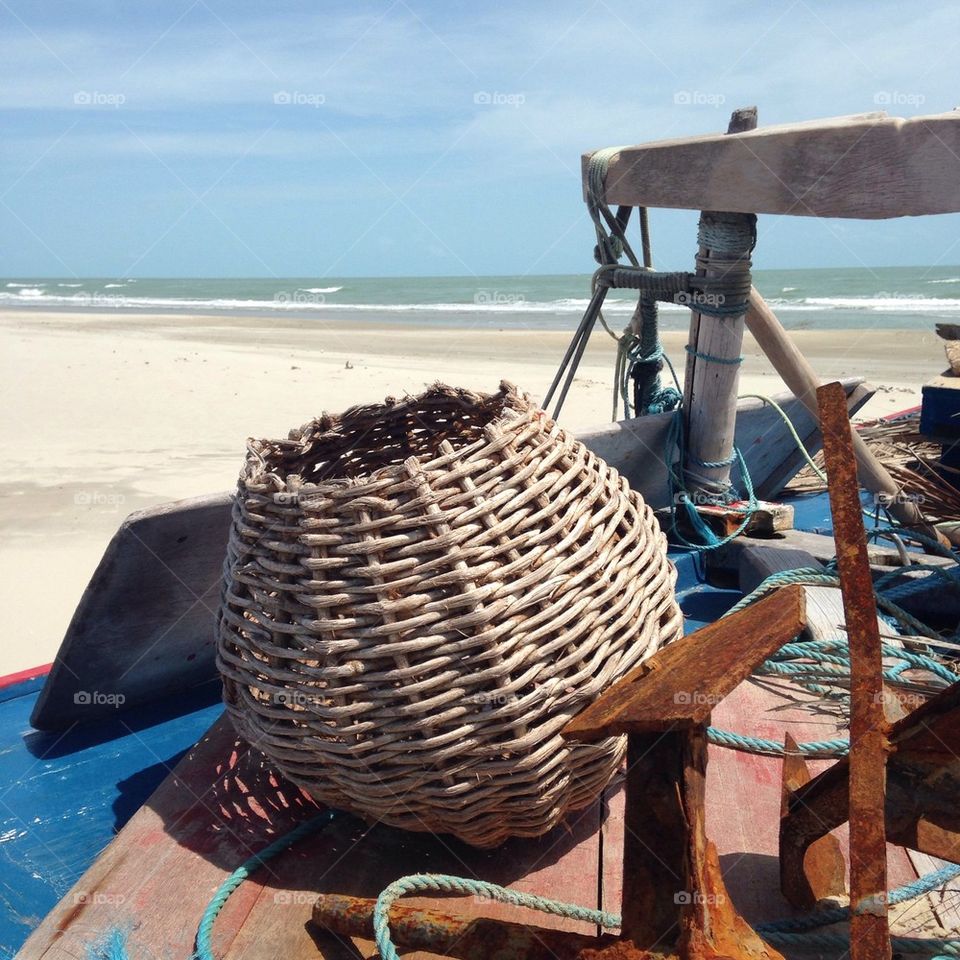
{"x":884,"y":297}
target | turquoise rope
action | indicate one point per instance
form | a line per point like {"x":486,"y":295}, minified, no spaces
{"x":823,"y":918}
{"x":114,"y":945}
{"x":673,"y":446}
{"x":831,"y":653}
{"x":778,"y":932}
{"x":204,"y":950}
{"x":814,"y":577}
{"x":714,"y":464}
{"x":814,"y":749}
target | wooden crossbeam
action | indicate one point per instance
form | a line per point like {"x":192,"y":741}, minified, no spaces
{"x":869,"y":166}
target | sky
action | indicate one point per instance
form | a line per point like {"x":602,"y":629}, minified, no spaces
{"x":206,"y":138}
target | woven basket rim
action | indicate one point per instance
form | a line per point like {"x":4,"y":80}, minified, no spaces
{"x":265,"y":462}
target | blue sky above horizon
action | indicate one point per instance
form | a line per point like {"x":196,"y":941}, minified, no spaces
{"x":205,"y":138}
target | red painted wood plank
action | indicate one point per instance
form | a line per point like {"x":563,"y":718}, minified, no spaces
{"x":31,"y":673}
{"x":221,"y":804}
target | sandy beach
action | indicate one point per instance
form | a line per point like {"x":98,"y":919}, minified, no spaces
{"x":105,"y":414}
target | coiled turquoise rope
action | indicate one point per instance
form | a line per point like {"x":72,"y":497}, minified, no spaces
{"x":825,"y":651}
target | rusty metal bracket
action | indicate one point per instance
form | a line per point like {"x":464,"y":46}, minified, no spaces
{"x":673,"y":891}
{"x":823,"y":872}
{"x":920,"y":812}
{"x":452,"y":935}
{"x":869,"y":744}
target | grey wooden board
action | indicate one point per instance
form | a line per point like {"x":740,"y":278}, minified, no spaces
{"x":824,"y":604}
{"x":790,"y":461}
{"x":825,"y":616}
{"x":637,"y":447}
{"x":870,"y":166}
{"x":144,"y":626}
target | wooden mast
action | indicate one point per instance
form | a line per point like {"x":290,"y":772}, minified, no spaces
{"x":716,"y":339}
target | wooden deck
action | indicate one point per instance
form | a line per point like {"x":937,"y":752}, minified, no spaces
{"x":222,"y":803}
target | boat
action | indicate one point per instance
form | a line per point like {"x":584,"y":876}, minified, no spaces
{"x":129,"y":802}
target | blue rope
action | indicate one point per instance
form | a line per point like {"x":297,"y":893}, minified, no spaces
{"x":711,"y":358}
{"x":815,"y":749}
{"x":714,"y":464}
{"x":831,"y":656}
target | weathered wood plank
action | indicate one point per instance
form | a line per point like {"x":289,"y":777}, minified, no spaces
{"x":870,"y":166}
{"x":144,"y":625}
{"x":778,"y":456}
{"x":822,"y":547}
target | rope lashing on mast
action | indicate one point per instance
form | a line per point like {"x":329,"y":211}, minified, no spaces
{"x":640,"y":357}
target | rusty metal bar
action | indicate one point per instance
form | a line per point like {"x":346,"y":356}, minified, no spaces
{"x":869,"y":926}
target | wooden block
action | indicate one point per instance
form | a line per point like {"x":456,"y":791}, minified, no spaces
{"x":764,"y":520}
{"x":870,"y":166}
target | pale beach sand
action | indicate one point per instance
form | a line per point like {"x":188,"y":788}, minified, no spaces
{"x":105,"y":414}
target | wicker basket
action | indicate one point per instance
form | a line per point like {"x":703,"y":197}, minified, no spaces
{"x":418,"y":595}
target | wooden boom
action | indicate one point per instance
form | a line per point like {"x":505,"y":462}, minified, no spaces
{"x":869,"y":166}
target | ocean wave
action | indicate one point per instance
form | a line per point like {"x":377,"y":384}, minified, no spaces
{"x":788,"y":289}
{"x":312,"y":301}
{"x":311,"y":304}
{"x":883,"y":304}
{"x":65,"y":284}
{"x":113,"y":286}
{"x":946,"y":280}
{"x":25,"y":285}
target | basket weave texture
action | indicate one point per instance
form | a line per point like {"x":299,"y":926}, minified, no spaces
{"x":418,"y":595}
